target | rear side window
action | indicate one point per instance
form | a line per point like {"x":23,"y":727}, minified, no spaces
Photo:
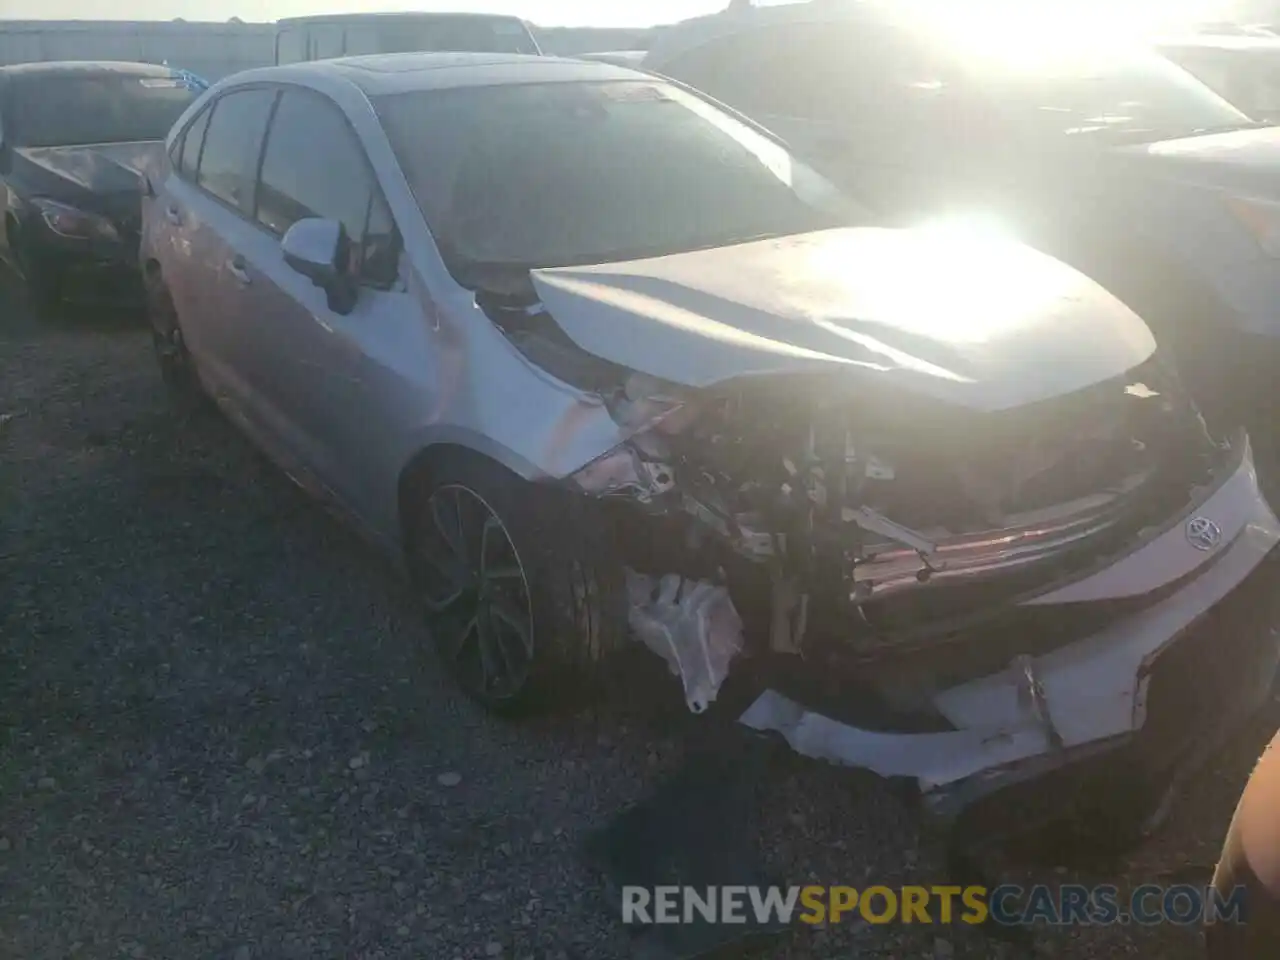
{"x":232,"y":145}
{"x":189,"y":156}
{"x":314,"y":166}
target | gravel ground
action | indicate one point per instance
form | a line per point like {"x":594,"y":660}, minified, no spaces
{"x":220,"y":736}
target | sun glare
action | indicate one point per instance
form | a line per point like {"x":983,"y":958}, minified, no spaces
{"x":1018,"y":35}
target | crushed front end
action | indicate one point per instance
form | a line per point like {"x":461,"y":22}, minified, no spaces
{"x":978,"y":601}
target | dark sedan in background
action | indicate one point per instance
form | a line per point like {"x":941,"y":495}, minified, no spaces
{"x":74,"y":138}
{"x":1092,"y":148}
{"x":1244,"y":69}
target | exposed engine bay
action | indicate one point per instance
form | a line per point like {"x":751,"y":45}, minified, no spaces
{"x":878,"y":525}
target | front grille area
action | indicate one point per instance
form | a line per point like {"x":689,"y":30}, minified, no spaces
{"x":961,"y":470}
{"x":1014,"y":500}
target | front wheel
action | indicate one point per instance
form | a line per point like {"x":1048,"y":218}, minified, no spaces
{"x":523,"y":596}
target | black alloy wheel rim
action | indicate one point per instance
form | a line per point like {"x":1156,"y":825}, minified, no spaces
{"x":476,"y":594}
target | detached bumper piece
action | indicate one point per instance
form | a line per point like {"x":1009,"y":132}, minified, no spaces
{"x":1199,"y":691}
{"x":1109,"y":724}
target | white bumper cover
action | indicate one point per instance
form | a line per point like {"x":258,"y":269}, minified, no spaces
{"x":1090,"y":691}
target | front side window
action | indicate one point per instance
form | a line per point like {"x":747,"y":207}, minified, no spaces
{"x":571,"y":173}
{"x":52,"y":110}
{"x":314,"y":166}
{"x":232,"y":144}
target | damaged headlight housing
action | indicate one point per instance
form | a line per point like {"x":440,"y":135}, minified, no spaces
{"x":637,"y":467}
{"x":74,"y":223}
{"x":643,"y":402}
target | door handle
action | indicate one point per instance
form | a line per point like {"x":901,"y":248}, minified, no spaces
{"x":173,"y":216}
{"x":236,"y":267}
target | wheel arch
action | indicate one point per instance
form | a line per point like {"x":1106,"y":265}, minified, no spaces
{"x":429,"y":456}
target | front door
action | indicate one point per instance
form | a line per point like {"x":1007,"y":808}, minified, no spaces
{"x":205,"y":205}
{"x":330,"y":375}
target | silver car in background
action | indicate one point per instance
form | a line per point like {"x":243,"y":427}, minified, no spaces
{"x":599,"y":359}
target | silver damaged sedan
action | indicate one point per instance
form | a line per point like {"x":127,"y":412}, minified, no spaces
{"x":607,"y":366}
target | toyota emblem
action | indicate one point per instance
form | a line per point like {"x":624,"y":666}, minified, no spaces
{"x":1203,"y":533}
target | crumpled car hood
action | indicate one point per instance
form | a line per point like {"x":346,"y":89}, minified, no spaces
{"x":105,"y":168}
{"x":979,"y":322}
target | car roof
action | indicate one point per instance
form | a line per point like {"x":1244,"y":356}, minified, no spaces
{"x":392,"y":15}
{"x":404,"y":72}
{"x":122,"y":67}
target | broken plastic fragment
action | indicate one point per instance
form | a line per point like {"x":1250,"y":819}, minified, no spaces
{"x":624,"y":471}
{"x":691,"y":624}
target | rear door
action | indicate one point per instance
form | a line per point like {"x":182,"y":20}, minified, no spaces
{"x":329,"y":376}
{"x":207,"y":208}
{"x":167,"y":227}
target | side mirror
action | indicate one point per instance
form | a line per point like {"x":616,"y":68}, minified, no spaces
{"x":317,"y":249}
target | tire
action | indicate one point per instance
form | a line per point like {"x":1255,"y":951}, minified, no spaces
{"x":177,"y":368}
{"x":525,"y":615}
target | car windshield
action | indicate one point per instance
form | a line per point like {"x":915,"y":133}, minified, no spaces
{"x":56,"y":111}
{"x":1124,"y":94}
{"x":441,"y":33}
{"x":553,"y":174}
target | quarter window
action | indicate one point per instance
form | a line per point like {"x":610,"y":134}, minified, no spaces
{"x":232,"y":145}
{"x":314,"y":166}
{"x":192,"y":141}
